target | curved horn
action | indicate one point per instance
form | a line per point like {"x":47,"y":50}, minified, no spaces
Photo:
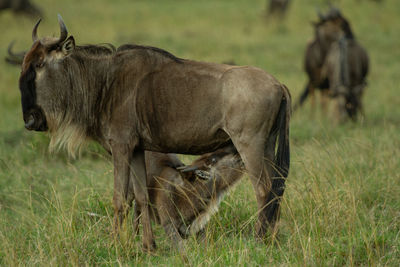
{"x":34,"y":31}
{"x":13,"y":54}
{"x":63,"y":29}
{"x":9,"y":49}
{"x":63,"y":33}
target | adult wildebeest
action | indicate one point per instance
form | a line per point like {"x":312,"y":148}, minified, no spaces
{"x":334,"y":59}
{"x":278,"y":7}
{"x":20,"y":6}
{"x":185,"y":197}
{"x":182,"y":201}
{"x":142,"y":98}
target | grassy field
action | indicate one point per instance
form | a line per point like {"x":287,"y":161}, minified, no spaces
{"x":342,"y":202}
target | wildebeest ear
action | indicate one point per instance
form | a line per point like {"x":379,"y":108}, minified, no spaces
{"x":68,"y":46}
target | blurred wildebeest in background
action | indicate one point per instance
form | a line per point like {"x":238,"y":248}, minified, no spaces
{"x":336,"y":64}
{"x":139,"y":98}
{"x":277,"y":7}
{"x":14,"y":58}
{"x":21,"y":6}
{"x":229,"y":62}
{"x":184,"y":198}
{"x":346,"y":67}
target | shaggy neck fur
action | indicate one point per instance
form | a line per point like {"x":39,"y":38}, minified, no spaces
{"x":87,"y":95}
{"x":75,"y":117}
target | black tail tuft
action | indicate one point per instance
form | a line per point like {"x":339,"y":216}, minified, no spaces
{"x":281,"y":161}
{"x":282,"y":157}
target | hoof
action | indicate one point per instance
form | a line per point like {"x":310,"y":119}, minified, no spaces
{"x":148,"y":248}
{"x":261,"y":231}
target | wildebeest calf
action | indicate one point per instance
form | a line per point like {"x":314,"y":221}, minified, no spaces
{"x":183,"y":198}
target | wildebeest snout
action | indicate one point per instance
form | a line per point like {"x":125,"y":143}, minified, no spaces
{"x":35,"y":120}
{"x":30,"y":122}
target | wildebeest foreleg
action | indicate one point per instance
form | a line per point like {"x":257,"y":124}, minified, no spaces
{"x":138,"y":176}
{"x":324,"y":101}
{"x":341,"y":108}
{"x":121,"y":157}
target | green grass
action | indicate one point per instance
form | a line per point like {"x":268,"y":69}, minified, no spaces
{"x":342,"y":202}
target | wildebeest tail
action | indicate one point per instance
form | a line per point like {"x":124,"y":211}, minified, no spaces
{"x":281,"y":163}
{"x":282,"y":156}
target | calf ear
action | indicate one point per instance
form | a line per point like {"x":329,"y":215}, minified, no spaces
{"x":68,"y":46}
{"x":187,"y":168}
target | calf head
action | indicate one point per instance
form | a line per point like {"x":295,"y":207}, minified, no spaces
{"x":219,"y":164}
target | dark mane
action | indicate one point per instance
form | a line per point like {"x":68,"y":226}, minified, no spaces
{"x":154,"y":49}
{"x":97,"y":50}
{"x":109,"y":49}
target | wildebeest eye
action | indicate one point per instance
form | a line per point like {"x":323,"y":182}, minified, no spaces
{"x":213,"y":160}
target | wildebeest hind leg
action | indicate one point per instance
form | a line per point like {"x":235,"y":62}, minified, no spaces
{"x":252,"y":155}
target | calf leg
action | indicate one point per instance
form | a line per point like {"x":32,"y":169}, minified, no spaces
{"x":173,"y":235}
{"x":136,"y":219}
{"x":130,"y":198}
{"x":138,"y":176}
